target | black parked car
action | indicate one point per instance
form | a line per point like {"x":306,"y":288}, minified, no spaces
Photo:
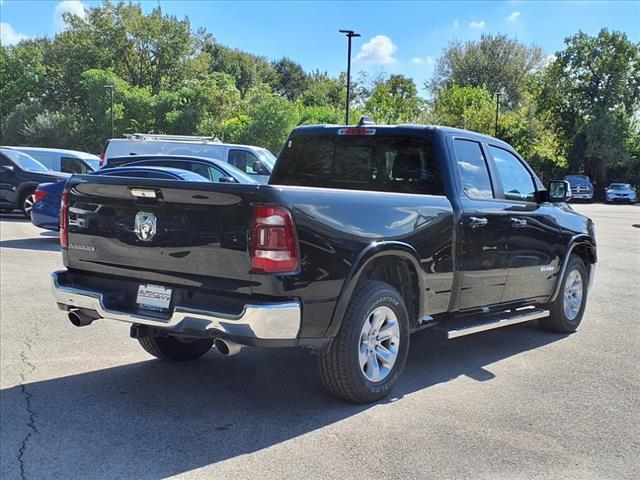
{"x":211,"y":169}
{"x":363,"y":236}
{"x":20,"y":176}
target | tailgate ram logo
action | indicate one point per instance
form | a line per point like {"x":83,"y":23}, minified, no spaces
{"x":145,"y":226}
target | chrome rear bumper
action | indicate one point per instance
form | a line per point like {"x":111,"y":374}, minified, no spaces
{"x":268,"y":321}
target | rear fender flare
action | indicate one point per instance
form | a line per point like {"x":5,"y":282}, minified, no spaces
{"x":373,"y":252}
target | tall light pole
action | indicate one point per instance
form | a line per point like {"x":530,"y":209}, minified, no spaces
{"x":110,"y":88}
{"x":498,"y":94}
{"x":349,"y":34}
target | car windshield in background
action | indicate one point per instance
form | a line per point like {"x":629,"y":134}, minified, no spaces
{"x":238,"y":174}
{"x":267,"y":158}
{"x":25,"y":162}
{"x":619,"y":186}
{"x":577,"y":178}
{"x":378,"y":163}
{"x":93,"y":163}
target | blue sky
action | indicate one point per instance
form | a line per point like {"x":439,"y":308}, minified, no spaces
{"x":397,"y":37}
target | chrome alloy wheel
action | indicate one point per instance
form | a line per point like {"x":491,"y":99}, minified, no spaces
{"x":379,"y":344}
{"x":28,"y":204}
{"x":573,"y":291}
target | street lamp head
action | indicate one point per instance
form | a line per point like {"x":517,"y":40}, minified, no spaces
{"x":349,"y":33}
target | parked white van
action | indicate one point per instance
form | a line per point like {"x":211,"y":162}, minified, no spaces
{"x":255,"y":161}
{"x":60,"y":160}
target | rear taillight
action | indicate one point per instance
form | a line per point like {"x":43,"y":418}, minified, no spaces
{"x":274,"y":246}
{"x":101,"y":162}
{"x":64,"y":220}
{"x":39,"y":195}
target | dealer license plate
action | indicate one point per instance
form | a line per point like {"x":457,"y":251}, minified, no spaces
{"x":154,"y":297}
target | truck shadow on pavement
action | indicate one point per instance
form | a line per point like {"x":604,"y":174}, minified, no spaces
{"x":44,"y":243}
{"x":153,"y":420}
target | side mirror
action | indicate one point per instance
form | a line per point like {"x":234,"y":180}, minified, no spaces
{"x":7,"y":168}
{"x":227,"y":180}
{"x":259,"y":168}
{"x":559,"y":191}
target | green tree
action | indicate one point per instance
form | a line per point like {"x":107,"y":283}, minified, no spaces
{"x":290,"y":79}
{"x":590,"y":93}
{"x":496,"y":62}
{"x":394,"y":100}
{"x":271,"y":121}
{"x":22,"y":75}
{"x":470,"y":108}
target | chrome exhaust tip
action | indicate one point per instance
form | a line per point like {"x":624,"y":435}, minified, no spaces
{"x":80,"y":319}
{"x":227,"y":347}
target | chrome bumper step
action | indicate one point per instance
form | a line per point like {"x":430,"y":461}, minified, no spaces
{"x":455,"y":328}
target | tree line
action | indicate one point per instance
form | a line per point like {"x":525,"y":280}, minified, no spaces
{"x":576,"y":111}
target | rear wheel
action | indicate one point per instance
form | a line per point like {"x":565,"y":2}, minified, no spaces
{"x":177,"y":350}
{"x":568,"y":307}
{"x":367,"y":357}
{"x":28,"y":199}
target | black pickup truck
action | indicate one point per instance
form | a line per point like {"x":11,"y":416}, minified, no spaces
{"x":363,"y":236}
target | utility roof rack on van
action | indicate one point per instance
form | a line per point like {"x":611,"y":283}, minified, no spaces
{"x":175,"y":138}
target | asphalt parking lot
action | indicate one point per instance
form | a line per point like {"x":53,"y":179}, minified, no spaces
{"x":513,"y":403}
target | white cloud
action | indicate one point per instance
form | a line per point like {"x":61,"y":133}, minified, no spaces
{"x":456,"y":23}
{"x":8,"y":36}
{"x":513,"y":17}
{"x":379,"y":49}
{"x":67,"y":6}
{"x":423,"y":61}
{"x":477,"y":24}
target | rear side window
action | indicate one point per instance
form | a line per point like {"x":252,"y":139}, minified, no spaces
{"x":472,"y":166}
{"x":516,"y":180}
{"x":381,"y":163}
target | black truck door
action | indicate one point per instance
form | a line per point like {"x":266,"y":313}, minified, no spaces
{"x":482,"y":230}
{"x":532,"y":246}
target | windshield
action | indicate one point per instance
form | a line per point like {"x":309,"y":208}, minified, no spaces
{"x":577,"y":178}
{"x":267,"y":158}
{"x":238,"y":174}
{"x":24,"y":161}
{"x":93,"y":162}
{"x":619,"y":186}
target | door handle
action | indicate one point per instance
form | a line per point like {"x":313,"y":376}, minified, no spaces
{"x":518,"y":222}
{"x":476,"y":222}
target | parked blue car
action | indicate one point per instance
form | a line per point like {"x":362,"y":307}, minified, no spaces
{"x":46,"y":208}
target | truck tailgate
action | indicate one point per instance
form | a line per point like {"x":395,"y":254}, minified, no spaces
{"x":166,"y":231}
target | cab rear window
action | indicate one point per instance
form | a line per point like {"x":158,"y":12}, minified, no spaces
{"x":381,"y":163}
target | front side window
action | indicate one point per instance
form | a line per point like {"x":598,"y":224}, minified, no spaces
{"x":472,"y":166}
{"x":72,"y":165}
{"x":383,"y":163}
{"x":516,"y":180}
{"x":247,"y":162}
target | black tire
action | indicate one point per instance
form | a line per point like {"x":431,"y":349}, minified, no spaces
{"x":28,"y":195}
{"x":558,"y":321}
{"x":170,"y":348}
{"x":340,"y":369}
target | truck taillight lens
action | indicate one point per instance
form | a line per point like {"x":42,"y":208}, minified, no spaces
{"x":40,"y":194}
{"x":64,"y":220}
{"x":101,"y":162}
{"x":274,"y":246}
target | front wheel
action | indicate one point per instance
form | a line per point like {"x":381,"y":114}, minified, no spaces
{"x":27,"y":203}
{"x":175,"y":349}
{"x":567,"y":309}
{"x":367,"y":357}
